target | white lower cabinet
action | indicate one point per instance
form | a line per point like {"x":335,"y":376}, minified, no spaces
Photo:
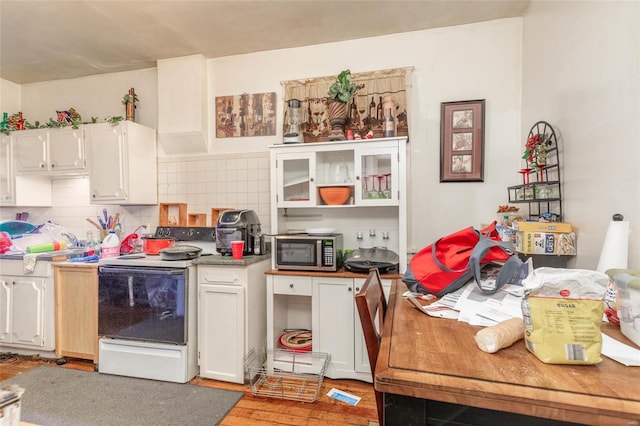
{"x":231,"y":318}
{"x":332,"y":307}
{"x":326,"y":305}
{"x":27,"y":323}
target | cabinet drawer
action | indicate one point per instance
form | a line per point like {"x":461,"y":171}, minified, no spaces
{"x":300,"y":286}
{"x":221,"y":275}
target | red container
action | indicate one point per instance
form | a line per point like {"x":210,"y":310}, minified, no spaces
{"x":5,"y":242}
{"x":153,"y":245}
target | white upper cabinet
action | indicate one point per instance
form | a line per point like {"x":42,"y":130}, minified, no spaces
{"x":366,"y":172}
{"x":21,"y":190}
{"x":296,"y":179}
{"x":123,"y":166}
{"x":67,"y":151}
{"x":49,"y":151}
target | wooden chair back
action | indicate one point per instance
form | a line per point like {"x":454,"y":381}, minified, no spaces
{"x":371,"y":302}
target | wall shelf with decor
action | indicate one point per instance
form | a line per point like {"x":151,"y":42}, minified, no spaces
{"x":541,"y":187}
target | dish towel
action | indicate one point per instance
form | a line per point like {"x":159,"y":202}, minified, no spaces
{"x":29,"y":260}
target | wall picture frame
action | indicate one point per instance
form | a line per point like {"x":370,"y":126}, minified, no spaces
{"x":249,"y":114}
{"x":462,"y":141}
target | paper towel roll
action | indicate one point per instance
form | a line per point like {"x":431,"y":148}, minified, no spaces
{"x":615,"y":249}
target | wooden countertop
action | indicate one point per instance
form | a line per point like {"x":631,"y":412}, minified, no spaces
{"x":438,"y":359}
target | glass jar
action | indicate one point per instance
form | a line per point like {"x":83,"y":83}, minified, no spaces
{"x":543,"y":192}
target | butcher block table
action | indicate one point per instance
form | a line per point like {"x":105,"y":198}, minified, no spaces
{"x":432,"y":368}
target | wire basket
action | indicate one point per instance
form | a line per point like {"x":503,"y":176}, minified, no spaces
{"x":285,"y":374}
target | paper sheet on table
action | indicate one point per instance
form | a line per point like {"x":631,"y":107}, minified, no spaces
{"x":478,"y":308}
{"x":620,"y":352}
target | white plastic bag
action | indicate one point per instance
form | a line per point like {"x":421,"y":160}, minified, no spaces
{"x":46,"y":233}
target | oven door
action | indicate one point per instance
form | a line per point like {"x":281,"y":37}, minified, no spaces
{"x":298,"y":254}
{"x":143,"y":303}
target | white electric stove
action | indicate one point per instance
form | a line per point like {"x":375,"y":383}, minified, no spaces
{"x":147,"y":311}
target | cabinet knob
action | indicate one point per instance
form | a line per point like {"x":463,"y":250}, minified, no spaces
{"x":349,"y":288}
{"x":357,"y":177}
{"x":42,"y":165}
{"x":310,"y":179}
{"x":52,"y":165}
{"x":358,"y":289}
{"x":291,"y":285}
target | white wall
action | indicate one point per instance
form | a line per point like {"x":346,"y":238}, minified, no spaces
{"x":94,"y":96}
{"x":581,"y":73}
{"x":9,"y":97}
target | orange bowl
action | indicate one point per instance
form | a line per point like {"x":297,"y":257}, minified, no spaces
{"x":335,"y":195}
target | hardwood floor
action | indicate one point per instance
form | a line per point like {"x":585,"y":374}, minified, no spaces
{"x":255,"y":410}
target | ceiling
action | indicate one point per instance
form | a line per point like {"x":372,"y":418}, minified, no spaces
{"x":54,"y":39}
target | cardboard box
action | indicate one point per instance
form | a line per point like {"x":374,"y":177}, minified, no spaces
{"x":543,"y":227}
{"x":546,"y":243}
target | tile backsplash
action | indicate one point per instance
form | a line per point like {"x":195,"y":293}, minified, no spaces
{"x":239,"y":181}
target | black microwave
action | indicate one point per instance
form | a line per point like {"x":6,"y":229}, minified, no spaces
{"x":304,"y":252}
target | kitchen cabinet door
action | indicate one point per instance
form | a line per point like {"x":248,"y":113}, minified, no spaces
{"x":77,"y":311}
{"x":122,"y":161}
{"x":7,"y":186}
{"x":49,"y":151}
{"x":106,"y":155}
{"x":25,"y":189}
{"x":6,"y":283}
{"x":377,"y":174}
{"x":27,"y":319}
{"x":333,"y":323}
{"x":66,"y":151}
{"x":23,"y":321}
{"x":296,"y":180}
{"x":30,"y":151}
{"x":222,"y":332}
{"x":231,"y":318}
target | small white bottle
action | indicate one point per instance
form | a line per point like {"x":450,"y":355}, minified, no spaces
{"x":110,"y":246}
